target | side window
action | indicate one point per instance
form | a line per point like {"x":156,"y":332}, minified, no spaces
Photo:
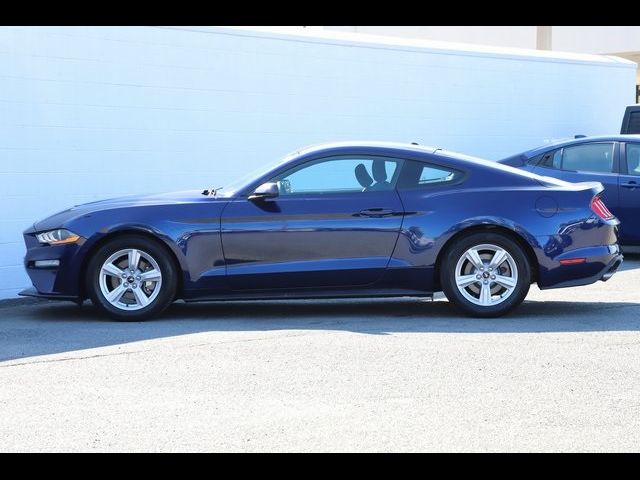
{"x":342,"y":174}
{"x":633,"y":158}
{"x":551,"y":159}
{"x":418,"y":174}
{"x":431,"y":174}
{"x":591,"y":157}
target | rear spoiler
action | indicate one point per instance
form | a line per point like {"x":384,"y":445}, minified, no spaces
{"x":593,"y":188}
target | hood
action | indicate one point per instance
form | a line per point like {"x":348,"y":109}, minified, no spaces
{"x":187,"y":196}
{"x":183,"y":197}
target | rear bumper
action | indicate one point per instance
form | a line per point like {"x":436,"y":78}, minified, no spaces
{"x":615,"y":265}
{"x":600,"y":264}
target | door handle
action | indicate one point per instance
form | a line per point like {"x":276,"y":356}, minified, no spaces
{"x":376,"y":212}
{"x":630,"y":185}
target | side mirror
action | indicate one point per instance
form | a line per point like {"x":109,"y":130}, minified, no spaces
{"x":264,"y":191}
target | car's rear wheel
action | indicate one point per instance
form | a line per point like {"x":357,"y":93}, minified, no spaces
{"x":485,"y":274}
{"x":131,"y":278}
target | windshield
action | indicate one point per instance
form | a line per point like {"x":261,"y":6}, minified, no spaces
{"x":243,"y":182}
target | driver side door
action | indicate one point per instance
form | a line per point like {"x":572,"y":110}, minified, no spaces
{"x":331,"y":225}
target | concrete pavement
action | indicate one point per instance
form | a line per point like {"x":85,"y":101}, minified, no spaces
{"x":560,"y":373}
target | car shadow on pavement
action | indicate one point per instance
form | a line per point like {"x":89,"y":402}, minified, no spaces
{"x":48,"y":328}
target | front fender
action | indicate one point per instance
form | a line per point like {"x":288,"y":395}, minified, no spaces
{"x":191,"y":233}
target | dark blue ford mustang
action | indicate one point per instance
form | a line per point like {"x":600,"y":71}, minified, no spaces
{"x":336,"y":220}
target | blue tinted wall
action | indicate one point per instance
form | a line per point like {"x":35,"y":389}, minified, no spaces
{"x":89,"y":113}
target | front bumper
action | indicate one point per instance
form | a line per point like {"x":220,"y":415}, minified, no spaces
{"x":59,"y":282}
{"x":33,"y":292}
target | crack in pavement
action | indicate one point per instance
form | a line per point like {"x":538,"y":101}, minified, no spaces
{"x":66,"y":359}
{"x":192,"y":345}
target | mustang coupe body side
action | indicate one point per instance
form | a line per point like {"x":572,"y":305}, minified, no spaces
{"x":345,"y":219}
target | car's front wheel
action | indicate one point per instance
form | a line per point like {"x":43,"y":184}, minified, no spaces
{"x":131,"y":278}
{"x":485,"y":274}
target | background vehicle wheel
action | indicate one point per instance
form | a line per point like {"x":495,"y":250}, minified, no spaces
{"x":131,"y":278}
{"x":485,"y":274}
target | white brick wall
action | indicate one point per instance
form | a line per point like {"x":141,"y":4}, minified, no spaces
{"x":89,"y":113}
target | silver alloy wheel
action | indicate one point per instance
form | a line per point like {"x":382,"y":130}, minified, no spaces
{"x":130,"y":279}
{"x":486,"y":275}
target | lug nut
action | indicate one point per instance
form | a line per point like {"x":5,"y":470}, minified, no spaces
{"x":134,"y":285}
{"x":138,"y":277}
{"x":493,"y":277}
{"x":478,"y":277}
{"x":486,"y":282}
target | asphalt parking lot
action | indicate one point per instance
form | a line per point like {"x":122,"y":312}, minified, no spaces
{"x":560,"y":373}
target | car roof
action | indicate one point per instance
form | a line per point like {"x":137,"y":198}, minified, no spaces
{"x":389,"y":148}
{"x":455,"y":159}
{"x":364,"y":144}
{"x":576,"y":141}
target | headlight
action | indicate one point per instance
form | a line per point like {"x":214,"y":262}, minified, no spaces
{"x":57,"y":237}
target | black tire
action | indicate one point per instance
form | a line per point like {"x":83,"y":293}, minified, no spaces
{"x":448,"y":275}
{"x":151,"y":247}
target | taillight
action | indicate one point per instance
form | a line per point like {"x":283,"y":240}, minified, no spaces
{"x":600,"y":209}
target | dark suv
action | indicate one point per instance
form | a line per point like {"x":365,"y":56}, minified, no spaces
{"x":631,"y":120}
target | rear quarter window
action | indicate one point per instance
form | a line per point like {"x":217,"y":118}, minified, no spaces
{"x":551,"y":159}
{"x":424,"y":175}
{"x":430,"y":175}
